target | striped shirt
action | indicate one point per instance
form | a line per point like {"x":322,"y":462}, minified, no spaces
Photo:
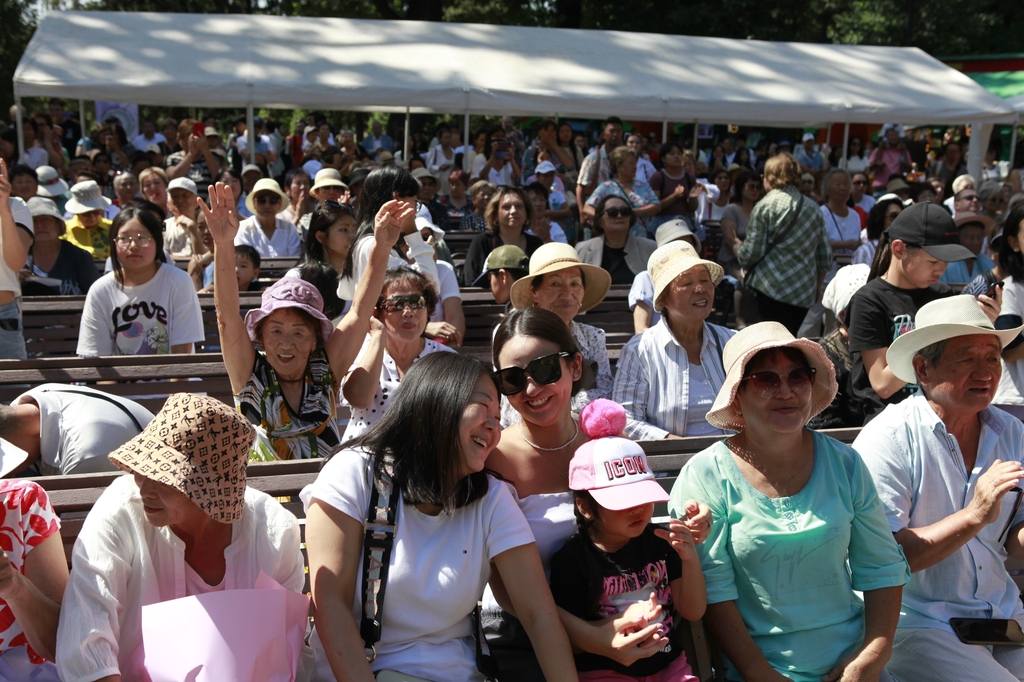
{"x":653,"y":379}
{"x":789,"y":273}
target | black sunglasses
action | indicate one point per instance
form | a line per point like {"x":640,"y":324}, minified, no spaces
{"x":395,"y":303}
{"x":618,"y":212}
{"x":767,"y":384}
{"x":545,"y":370}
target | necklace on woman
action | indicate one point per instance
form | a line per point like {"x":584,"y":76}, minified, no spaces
{"x":560,"y":447}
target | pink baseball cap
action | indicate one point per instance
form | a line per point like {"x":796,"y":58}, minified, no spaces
{"x":613,"y":469}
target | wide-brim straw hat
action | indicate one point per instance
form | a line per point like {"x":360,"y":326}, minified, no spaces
{"x":199,"y":446}
{"x":966,"y":217}
{"x":266,"y":185}
{"x":749,"y":342}
{"x":937,"y":321}
{"x":552,"y":258}
{"x":669,"y":261}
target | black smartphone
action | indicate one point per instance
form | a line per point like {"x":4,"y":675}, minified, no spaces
{"x":991,"y":293}
{"x":988,"y":631}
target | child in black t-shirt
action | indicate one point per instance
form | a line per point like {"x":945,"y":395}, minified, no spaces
{"x":618,"y":561}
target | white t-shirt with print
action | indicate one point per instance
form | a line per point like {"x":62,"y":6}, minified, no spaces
{"x":438,"y":570}
{"x":143,"y":320}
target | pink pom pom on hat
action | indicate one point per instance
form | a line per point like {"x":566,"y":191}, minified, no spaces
{"x":613,"y":469}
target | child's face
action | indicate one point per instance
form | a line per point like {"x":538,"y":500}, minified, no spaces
{"x":613,"y":529}
{"x":245,"y":271}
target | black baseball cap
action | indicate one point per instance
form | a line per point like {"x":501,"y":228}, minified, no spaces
{"x":931,"y":227}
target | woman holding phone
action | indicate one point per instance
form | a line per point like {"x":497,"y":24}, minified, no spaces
{"x":497,"y":164}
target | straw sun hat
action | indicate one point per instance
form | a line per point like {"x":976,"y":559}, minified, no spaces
{"x":266,"y":185}
{"x":669,"y":261}
{"x":937,"y":321}
{"x":552,"y":258}
{"x":198,"y":446}
{"x":749,"y":342}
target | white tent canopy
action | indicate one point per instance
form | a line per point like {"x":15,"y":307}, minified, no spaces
{"x":1017,"y":103}
{"x":242,"y":60}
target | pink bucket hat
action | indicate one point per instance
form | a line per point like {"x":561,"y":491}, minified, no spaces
{"x":290,"y":292}
{"x":613,"y":469}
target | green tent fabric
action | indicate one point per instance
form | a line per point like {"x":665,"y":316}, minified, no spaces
{"x":1003,"y":83}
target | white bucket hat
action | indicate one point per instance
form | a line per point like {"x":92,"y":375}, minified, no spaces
{"x":749,"y":342}
{"x":266,"y":185}
{"x":42,"y":206}
{"x":85,"y":197}
{"x":937,"y":321}
{"x":183,"y":183}
{"x":50,"y":183}
{"x":669,"y":261}
{"x":556,"y":256}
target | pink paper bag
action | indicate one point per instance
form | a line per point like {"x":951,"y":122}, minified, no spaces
{"x":232,"y":636}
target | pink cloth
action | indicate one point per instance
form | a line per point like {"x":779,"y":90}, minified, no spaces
{"x":891,"y":158}
{"x":679,"y":671}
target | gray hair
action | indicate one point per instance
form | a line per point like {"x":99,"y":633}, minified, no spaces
{"x":932,"y":353}
{"x":827,"y":183}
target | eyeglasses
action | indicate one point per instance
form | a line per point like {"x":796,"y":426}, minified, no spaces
{"x":268,"y":199}
{"x":618,"y":212}
{"x":139,"y":240}
{"x":767,"y":384}
{"x":969,"y":197}
{"x":396,"y":303}
{"x":545,"y":370}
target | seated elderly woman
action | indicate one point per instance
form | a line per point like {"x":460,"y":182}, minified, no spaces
{"x":669,"y":376}
{"x":797,"y":525}
{"x":394,"y":344}
{"x":560,"y":283}
{"x":270,"y":235}
{"x":615,"y":248}
{"x":289,"y":388}
{"x":33,"y":573}
{"x":454,"y":522}
{"x":184,"y":523}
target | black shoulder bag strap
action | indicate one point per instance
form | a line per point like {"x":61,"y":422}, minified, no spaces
{"x":778,"y":239}
{"x":378,"y":541}
{"x":99,"y":396}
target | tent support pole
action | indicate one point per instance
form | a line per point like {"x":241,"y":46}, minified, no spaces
{"x":465,"y":143}
{"x":406,"y":157}
{"x":81,"y":116}
{"x":250,"y":133}
{"x":664,"y":130}
{"x":20,"y":125}
{"x":828,"y":136}
{"x":1013,"y":141}
{"x":846,"y":144}
{"x":696,"y":154}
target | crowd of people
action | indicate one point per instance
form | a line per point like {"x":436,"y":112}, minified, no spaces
{"x":859,"y":292}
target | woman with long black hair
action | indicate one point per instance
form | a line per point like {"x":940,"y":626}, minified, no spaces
{"x":1011,"y":383}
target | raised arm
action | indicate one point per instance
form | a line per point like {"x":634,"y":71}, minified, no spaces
{"x":16,"y":242}
{"x":235,"y":345}
{"x":394,"y":218}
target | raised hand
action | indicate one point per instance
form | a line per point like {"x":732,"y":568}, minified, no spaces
{"x":221,"y":215}
{"x":393,"y":219}
{"x":5,"y":184}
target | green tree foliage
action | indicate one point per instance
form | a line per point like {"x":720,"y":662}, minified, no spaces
{"x":17,"y":23}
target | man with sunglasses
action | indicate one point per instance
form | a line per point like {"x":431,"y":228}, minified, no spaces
{"x":947,"y":467}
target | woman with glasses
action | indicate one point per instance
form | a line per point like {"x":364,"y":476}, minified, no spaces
{"x":270,"y":235}
{"x":289,"y":387}
{"x":395,"y":343}
{"x":797,"y":525}
{"x":616,"y":248}
{"x":145,"y":306}
{"x":539,"y":371}
{"x":668,"y":376}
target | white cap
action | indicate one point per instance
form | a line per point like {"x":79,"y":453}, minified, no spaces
{"x":183,"y":183}
{"x":422,"y":222}
{"x":22,"y":216}
{"x":545,"y":167}
{"x":251,"y":167}
{"x":808,"y":137}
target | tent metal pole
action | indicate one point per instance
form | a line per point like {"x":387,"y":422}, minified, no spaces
{"x":664,"y":130}
{"x":250,"y":133}
{"x":1013,"y":142}
{"x":81,"y":116}
{"x":20,"y":125}
{"x":828,"y":135}
{"x":405,"y":144}
{"x":846,"y":144}
{"x":465,"y":143}
{"x":696,"y":153}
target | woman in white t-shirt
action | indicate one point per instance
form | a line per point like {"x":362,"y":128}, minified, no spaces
{"x":146,"y":306}
{"x":453,"y":523}
{"x":1011,"y":383}
{"x":841,"y":222}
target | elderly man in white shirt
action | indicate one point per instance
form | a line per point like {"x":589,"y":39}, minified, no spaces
{"x":271,"y":235}
{"x":947,"y":465}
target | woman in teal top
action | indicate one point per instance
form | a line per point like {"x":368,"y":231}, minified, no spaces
{"x":790,"y":505}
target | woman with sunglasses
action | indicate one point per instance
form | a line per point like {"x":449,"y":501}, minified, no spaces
{"x":289,"y":387}
{"x":539,"y":371}
{"x":615,"y":248}
{"x":145,"y":306}
{"x":270,"y":235}
{"x":797,"y":526}
{"x":395,"y":343}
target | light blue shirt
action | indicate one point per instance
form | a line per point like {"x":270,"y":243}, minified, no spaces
{"x":921,"y":479}
{"x":652,"y":381}
{"x":957,"y":272}
{"x":642,"y":291}
{"x":791,"y":564}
